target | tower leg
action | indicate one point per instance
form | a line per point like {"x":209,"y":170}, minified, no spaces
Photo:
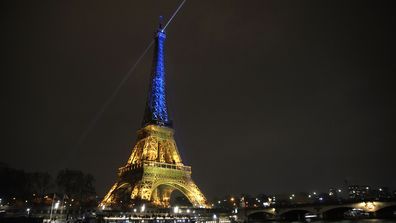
{"x":108,"y":198}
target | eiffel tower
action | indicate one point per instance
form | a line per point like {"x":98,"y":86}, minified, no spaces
{"x":155,"y":169}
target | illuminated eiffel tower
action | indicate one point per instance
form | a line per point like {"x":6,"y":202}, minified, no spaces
{"x":155,"y":168}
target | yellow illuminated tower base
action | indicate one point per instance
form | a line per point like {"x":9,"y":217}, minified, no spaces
{"x":154,"y":170}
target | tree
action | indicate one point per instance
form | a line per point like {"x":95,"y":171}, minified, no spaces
{"x":75,"y":184}
{"x":40,"y":182}
{"x":13,"y":182}
{"x":88,"y":185}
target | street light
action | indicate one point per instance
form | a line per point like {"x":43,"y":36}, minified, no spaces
{"x":143,"y":208}
{"x":176,"y":209}
{"x":56,"y":205}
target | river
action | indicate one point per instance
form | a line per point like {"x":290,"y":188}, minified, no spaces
{"x":337,"y":221}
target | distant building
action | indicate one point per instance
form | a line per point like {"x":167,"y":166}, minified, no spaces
{"x":332,"y":192}
{"x":335,"y":194}
{"x":384,"y":193}
{"x":357,"y":192}
{"x":365,"y":192}
{"x":353,"y":191}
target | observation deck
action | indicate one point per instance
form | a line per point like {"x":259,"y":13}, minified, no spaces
{"x":144,"y":164}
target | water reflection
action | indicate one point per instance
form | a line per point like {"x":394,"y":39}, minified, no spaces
{"x":332,"y":221}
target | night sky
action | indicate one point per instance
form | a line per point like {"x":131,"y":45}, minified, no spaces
{"x":265,"y":96}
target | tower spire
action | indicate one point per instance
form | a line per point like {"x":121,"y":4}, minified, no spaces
{"x":156,"y":108}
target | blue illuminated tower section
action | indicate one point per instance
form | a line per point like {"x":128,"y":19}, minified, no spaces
{"x":156,"y":109}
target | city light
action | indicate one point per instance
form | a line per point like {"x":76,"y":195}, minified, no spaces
{"x":56,"y":205}
{"x":214,"y":216}
{"x":176,"y":209}
{"x":370,"y":205}
{"x":143,"y":208}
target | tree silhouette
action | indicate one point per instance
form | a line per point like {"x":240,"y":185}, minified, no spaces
{"x":13,"y":182}
{"x":75,"y":184}
{"x":40,"y":182}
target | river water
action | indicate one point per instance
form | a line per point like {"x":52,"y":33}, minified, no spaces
{"x":339,"y":221}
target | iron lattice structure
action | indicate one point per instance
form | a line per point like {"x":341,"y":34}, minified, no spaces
{"x":155,"y":168}
{"x":156,"y":107}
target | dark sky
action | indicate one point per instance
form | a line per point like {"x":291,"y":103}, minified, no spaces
{"x":265,"y":96}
